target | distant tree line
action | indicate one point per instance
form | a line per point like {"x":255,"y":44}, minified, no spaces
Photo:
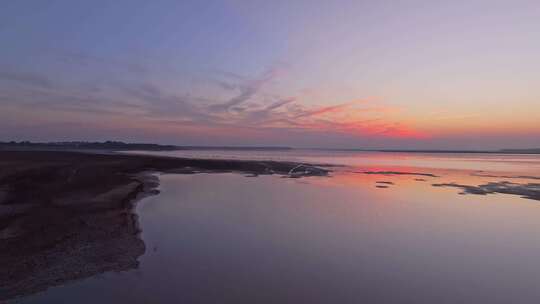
{"x":87,"y":145}
{"x":111,"y":145}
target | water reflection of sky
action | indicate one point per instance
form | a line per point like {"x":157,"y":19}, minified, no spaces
{"x":464,"y":161}
{"x":233,"y":239}
{"x":324,"y":240}
{"x":478,"y":173}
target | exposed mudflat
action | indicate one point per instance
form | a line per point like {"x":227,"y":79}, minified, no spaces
{"x":528,"y":190}
{"x":68,"y":215}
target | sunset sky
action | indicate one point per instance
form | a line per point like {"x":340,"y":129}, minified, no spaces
{"x":342,"y":74}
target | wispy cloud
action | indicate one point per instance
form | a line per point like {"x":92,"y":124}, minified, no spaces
{"x":25,"y":78}
{"x":250,"y":111}
{"x":84,"y":59}
{"x":247,"y":89}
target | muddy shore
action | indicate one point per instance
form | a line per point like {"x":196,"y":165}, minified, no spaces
{"x":68,"y":215}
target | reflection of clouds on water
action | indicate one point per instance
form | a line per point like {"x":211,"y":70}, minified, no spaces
{"x":398,"y":173}
{"x":470,"y":182}
{"x":519,"y":165}
{"x":504,"y":176}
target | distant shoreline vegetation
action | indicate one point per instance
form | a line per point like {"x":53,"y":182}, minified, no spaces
{"x":119,"y":146}
{"x":83,"y":145}
{"x":123,"y":146}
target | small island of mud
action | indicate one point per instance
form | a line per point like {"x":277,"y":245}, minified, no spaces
{"x":528,"y":190}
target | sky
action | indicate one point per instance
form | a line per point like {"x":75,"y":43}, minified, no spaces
{"x":331,"y":74}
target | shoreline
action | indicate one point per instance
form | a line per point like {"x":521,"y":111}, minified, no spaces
{"x":66,"y":216}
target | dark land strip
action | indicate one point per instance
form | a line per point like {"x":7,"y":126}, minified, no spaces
{"x":66,"y":215}
{"x":529,"y":190}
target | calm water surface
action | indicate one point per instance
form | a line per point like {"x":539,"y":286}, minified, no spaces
{"x":464,"y":161}
{"x":227,"y":238}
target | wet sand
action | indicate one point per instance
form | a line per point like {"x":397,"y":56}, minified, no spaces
{"x":69,"y":215}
